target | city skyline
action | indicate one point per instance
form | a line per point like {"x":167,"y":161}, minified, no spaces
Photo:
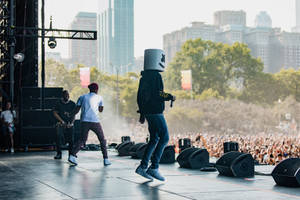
{"x":171,"y":15}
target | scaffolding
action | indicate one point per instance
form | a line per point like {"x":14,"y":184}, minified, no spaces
{"x":7,"y":46}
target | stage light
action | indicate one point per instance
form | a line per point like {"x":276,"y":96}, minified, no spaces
{"x":19,"y":57}
{"x":52,"y":42}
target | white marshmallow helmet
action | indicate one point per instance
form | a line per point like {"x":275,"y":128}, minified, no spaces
{"x":154,"y":59}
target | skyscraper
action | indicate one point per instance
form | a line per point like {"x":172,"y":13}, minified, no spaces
{"x":297,"y":27}
{"x":298,"y":13}
{"x":84,"y":52}
{"x":277,"y":49}
{"x":229,"y":17}
{"x":116,"y":35}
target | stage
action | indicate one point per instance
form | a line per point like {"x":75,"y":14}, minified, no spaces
{"x":36,"y":175}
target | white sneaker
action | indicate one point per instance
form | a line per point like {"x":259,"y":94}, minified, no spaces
{"x":72,"y":159}
{"x":106,"y":162}
{"x":12,"y":150}
{"x":6,"y":150}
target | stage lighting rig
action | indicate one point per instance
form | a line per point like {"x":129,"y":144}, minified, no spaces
{"x":43,"y":33}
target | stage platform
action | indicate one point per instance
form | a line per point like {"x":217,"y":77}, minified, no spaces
{"x":36,"y":175}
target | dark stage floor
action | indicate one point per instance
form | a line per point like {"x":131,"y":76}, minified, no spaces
{"x":36,"y":175}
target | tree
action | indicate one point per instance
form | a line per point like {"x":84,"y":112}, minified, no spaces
{"x":214,"y":66}
{"x":261,"y":89}
{"x":289,"y":82}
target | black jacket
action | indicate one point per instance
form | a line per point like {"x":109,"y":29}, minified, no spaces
{"x":151,"y":97}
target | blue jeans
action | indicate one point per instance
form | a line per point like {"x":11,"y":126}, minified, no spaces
{"x":159,"y":138}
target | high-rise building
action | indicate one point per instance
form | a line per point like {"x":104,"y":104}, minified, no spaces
{"x":172,"y":42}
{"x":116,"y":35}
{"x":230,"y":34}
{"x":84,"y":52}
{"x":229,"y":17}
{"x":297,"y":27}
{"x":258,"y":40}
{"x":275,"y":48}
{"x":263,"y":20}
{"x":285,"y":50}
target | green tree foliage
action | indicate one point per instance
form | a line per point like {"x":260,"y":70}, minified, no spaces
{"x":214,"y":66}
{"x":289,"y":83}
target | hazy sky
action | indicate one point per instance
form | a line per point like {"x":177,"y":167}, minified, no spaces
{"x":154,"y":18}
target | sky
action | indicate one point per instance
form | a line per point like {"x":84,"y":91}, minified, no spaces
{"x":154,"y":18}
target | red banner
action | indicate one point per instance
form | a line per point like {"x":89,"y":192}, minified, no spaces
{"x":85,"y":76}
{"x":186,"y":79}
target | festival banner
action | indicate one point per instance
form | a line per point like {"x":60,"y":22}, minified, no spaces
{"x":85,"y":76}
{"x":186,"y":79}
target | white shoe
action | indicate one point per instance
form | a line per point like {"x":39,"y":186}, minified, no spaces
{"x":12,"y":150}
{"x":6,"y":150}
{"x":72,"y":159}
{"x":106,"y":162}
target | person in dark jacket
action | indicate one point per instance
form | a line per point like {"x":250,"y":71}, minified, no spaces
{"x":65,"y":123}
{"x":151,"y":101}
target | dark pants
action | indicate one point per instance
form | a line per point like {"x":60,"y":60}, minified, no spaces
{"x":65,"y":134}
{"x":159,"y":138}
{"x":85,"y":127}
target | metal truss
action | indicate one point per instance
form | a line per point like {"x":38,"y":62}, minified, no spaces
{"x":4,"y":38}
{"x":54,"y":33}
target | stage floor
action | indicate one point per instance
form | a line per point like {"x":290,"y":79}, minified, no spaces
{"x":36,"y":175}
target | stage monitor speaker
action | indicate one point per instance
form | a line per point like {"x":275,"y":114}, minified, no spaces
{"x":287,"y":173}
{"x":193,"y":158}
{"x":140,"y":151}
{"x":183,"y":157}
{"x":124,"y":148}
{"x":199,"y":159}
{"x":168,"y":155}
{"x":230,"y":146}
{"x":125,"y":139}
{"x":184,"y":143}
{"x":236,"y":164}
{"x":133,"y":150}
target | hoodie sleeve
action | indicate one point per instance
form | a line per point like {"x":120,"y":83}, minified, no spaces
{"x":161,"y":95}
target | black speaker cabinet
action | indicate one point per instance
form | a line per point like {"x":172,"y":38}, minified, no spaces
{"x":287,"y":173}
{"x":124,"y":147}
{"x":184,"y":143}
{"x":32,"y":118}
{"x":32,"y":104}
{"x":36,"y":92}
{"x":38,"y":136}
{"x":236,"y":164}
{"x":133,"y":149}
{"x":183,"y":157}
{"x":193,"y":158}
{"x":230,"y":146}
{"x":125,"y":139}
{"x":140,"y":151}
{"x":168,"y":155}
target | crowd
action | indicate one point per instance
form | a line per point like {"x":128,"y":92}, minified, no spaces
{"x":265,"y":148}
